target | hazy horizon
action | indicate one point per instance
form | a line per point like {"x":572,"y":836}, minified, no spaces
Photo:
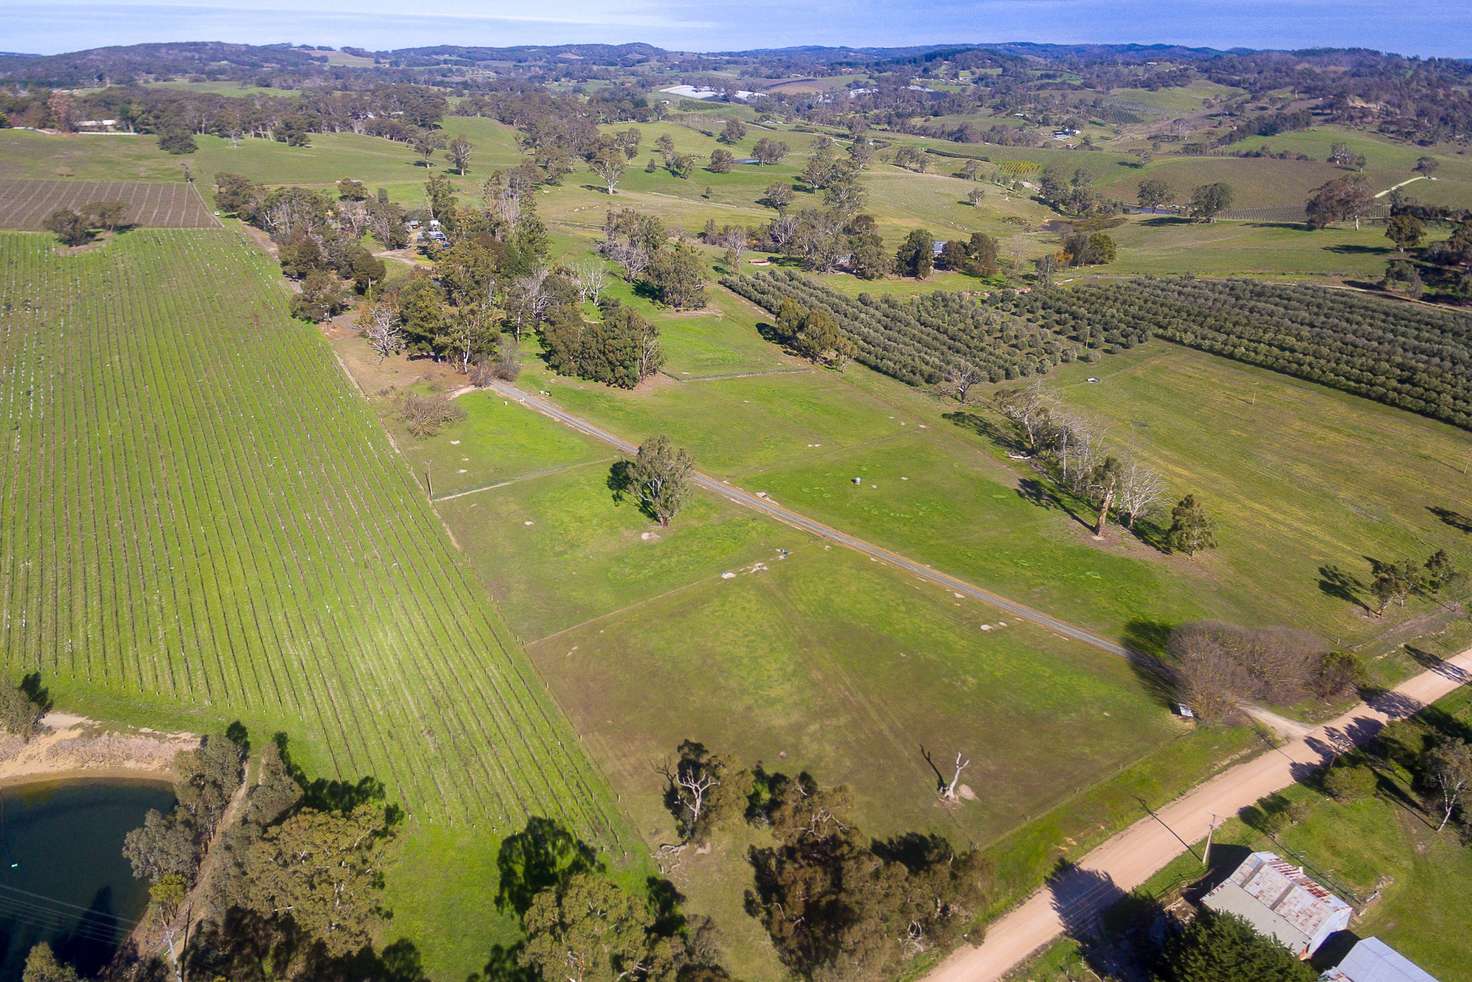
{"x":71,"y":25}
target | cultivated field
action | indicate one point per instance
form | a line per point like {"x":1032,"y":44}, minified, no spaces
{"x":201,"y":521}
{"x":25,"y":204}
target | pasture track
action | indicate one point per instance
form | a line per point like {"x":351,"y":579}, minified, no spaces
{"x":25,"y":204}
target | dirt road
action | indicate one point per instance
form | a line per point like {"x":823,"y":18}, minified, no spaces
{"x":1130,"y":858}
{"x":800,"y":521}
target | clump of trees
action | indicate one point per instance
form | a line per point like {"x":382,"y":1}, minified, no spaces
{"x":580,"y":924}
{"x":318,"y":237}
{"x":838,"y":906}
{"x":814,"y":334}
{"x":1224,"y":946}
{"x":620,"y":348}
{"x":671,"y":271}
{"x":1208,"y":201}
{"x":1221,"y":665}
{"x":23,"y":706}
{"x":174,"y":844}
{"x":1089,"y":248}
{"x":76,"y":227}
{"x":1074,"y":455}
{"x":1347,"y":198}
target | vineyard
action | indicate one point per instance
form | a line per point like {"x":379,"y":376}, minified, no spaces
{"x":195,"y":511}
{"x":923,"y":340}
{"x":25,"y":204}
{"x":1410,"y":356}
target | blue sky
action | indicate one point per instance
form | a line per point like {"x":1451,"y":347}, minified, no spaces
{"x":67,"y":25}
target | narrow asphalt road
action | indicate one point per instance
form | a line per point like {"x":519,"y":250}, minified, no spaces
{"x":798,"y":520}
{"x":1105,"y":875}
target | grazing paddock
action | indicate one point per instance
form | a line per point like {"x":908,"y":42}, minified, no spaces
{"x":25,"y":204}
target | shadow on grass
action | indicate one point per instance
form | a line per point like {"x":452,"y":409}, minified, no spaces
{"x":1350,"y":249}
{"x":1455,"y":519}
{"x":1341,"y":585}
{"x":542,"y":855}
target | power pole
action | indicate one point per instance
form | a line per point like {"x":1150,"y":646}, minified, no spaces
{"x":1206,"y":853}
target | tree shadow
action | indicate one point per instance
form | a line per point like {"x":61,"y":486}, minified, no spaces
{"x":90,"y":944}
{"x":1455,"y":519}
{"x":330,"y":794}
{"x":916,"y":851}
{"x":542,"y":855}
{"x":1165,"y":221}
{"x":504,"y":965}
{"x":1350,"y":249}
{"x":1115,"y":930}
{"x":39,"y":695}
{"x":620,"y":482}
{"x":985,"y":429}
{"x":1439,"y":665}
{"x":1341,"y":585}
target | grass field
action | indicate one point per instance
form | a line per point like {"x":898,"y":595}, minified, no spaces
{"x":770,"y":644}
{"x":948,"y":496}
{"x":201,"y":522}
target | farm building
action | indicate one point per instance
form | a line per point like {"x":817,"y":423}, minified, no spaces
{"x":1281,"y":901}
{"x":1372,"y":960}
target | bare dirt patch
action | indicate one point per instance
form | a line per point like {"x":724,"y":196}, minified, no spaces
{"x":74,"y":746}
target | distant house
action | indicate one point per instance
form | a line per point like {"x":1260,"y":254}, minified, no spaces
{"x":1280,"y":901}
{"x":937,"y":247}
{"x":1372,"y":960}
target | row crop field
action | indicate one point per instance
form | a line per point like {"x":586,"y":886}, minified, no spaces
{"x":920,"y":340}
{"x":200,"y":521}
{"x":1411,"y":356}
{"x":151,"y":204}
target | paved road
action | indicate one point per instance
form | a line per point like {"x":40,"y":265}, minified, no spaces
{"x":1130,"y":858}
{"x":798,"y":520}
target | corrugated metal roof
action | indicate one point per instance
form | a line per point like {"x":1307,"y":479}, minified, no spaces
{"x":1372,"y":960}
{"x":1277,"y":899}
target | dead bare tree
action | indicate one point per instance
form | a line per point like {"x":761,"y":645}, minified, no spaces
{"x":591,"y":277}
{"x":352,"y":217}
{"x":960,"y":379}
{"x":949,"y":794}
{"x":381,"y":328}
{"x":1140,"y":489}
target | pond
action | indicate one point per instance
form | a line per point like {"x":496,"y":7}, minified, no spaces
{"x":63,"y":878}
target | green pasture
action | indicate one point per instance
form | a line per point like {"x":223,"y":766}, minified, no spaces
{"x":1176,"y":100}
{"x":1162,"y":245}
{"x":1299,"y":476}
{"x":762,"y":641}
{"x":943,"y":491}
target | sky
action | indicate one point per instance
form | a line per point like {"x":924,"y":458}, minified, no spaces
{"x":714,"y":25}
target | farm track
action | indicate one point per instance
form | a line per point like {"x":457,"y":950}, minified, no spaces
{"x":800,"y":521}
{"x":195,"y":508}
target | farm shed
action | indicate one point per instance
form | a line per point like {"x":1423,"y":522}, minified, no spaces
{"x":1372,"y":960}
{"x":1280,"y":901}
